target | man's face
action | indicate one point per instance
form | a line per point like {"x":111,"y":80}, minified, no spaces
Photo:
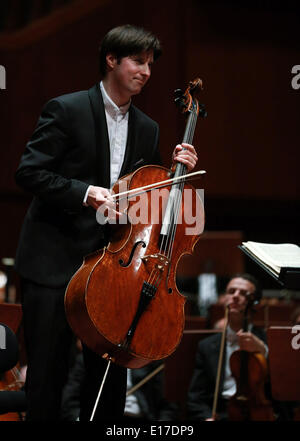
{"x":236,"y":294}
{"x":131,"y":73}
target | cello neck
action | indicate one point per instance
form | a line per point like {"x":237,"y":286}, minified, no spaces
{"x":187,"y":137}
{"x":191,"y":125}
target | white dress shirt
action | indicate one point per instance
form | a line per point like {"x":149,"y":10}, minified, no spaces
{"x":117,"y":126}
{"x":229,"y":386}
{"x":132,"y":407}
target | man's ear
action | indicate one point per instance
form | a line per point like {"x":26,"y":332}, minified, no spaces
{"x":111,"y":61}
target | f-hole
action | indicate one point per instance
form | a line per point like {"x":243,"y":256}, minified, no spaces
{"x":121,"y":261}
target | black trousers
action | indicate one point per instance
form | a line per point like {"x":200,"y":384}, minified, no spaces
{"x":48,"y":339}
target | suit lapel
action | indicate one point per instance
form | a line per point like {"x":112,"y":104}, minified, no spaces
{"x":101,"y":134}
{"x":131,"y":144}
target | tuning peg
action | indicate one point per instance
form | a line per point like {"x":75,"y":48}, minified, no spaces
{"x":202,"y":111}
{"x":178,"y":93}
{"x":179,"y":102}
{"x":179,"y":98}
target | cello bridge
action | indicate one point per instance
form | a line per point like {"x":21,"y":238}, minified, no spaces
{"x":156,"y":261}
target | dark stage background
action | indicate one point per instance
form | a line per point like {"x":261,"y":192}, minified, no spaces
{"x":244,"y":53}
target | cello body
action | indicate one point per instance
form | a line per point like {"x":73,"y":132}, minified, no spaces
{"x":123,"y":302}
{"x":9,"y":381}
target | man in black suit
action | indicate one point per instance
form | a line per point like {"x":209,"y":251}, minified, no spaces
{"x":82,"y":143}
{"x":202,"y":388}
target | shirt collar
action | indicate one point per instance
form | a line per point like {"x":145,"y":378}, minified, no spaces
{"x":231,"y":335}
{"x":110,"y":106}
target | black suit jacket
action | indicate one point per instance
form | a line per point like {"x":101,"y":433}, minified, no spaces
{"x":69,"y":150}
{"x":202,"y":387}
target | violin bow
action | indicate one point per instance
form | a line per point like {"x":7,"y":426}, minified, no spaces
{"x":214,"y":408}
{"x":145,"y":380}
{"x":160,"y":184}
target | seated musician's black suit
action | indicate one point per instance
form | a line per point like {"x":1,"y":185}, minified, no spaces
{"x":202,"y":386}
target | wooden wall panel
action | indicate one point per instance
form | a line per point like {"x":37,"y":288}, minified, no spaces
{"x":250,"y":139}
{"x":249,"y":142}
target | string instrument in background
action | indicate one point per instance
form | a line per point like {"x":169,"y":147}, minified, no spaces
{"x":10,"y":377}
{"x":10,"y":381}
{"x":250,"y":371}
{"x":123,"y":302}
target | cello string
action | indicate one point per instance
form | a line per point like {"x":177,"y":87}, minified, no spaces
{"x":158,"y":275}
{"x":151,"y":276}
{"x":168,"y":241}
{"x":174,"y":225}
{"x":170,"y":237}
{"x":188,"y":138}
{"x":156,"y":282}
{"x":166,"y":244}
{"x":175,"y":220}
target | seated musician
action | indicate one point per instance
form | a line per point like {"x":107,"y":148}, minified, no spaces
{"x":202,"y":387}
{"x":146,"y":403}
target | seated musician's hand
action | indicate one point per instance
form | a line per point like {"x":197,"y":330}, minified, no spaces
{"x":249,"y":342}
{"x":186,"y":154}
{"x":100,"y":197}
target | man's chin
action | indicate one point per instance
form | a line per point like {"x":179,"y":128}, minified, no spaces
{"x":137,"y":87}
{"x":235,"y":311}
{"x":136,"y":90}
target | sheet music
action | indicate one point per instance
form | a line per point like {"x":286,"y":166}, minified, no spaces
{"x":277,"y":256}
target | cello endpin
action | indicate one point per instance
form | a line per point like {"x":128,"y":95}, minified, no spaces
{"x":107,"y":357}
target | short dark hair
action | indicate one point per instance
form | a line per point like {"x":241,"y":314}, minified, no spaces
{"x":127,"y":40}
{"x":258,"y":289}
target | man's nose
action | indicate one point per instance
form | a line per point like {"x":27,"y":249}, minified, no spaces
{"x":146,"y":70}
{"x":236,"y":293}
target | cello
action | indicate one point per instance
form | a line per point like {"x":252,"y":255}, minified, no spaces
{"x":11,"y":381}
{"x":123,"y":302}
{"x":250,"y":371}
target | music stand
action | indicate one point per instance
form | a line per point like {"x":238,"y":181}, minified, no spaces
{"x":289,"y":278}
{"x":284,"y":362}
{"x":284,"y":359}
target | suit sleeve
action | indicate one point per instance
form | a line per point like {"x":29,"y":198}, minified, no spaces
{"x":40,"y":168}
{"x":199,"y":397}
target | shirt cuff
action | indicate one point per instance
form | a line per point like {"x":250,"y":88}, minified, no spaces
{"x":267,"y":350}
{"x":86,"y":196}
